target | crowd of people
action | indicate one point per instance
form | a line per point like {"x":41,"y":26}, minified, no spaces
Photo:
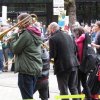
{"x":73,"y":66}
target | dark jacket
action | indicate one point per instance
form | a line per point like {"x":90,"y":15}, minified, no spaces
{"x":63,"y":52}
{"x":97,"y":41}
{"x":27,"y":50}
{"x":89,"y":56}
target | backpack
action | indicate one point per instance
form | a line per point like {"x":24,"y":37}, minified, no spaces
{"x":89,"y":56}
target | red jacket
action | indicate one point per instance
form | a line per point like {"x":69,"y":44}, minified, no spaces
{"x":79,"y":42}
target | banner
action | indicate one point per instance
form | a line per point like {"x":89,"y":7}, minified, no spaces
{"x":63,"y":21}
{"x":4,"y":15}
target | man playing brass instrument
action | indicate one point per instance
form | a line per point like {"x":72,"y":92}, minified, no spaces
{"x":28,"y":62}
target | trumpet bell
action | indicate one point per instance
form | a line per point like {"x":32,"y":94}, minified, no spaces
{"x":22,"y":22}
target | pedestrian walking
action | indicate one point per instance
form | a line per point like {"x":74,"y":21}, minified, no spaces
{"x":6,"y":50}
{"x":65,"y":61}
{"x":93,"y":81}
{"x":1,"y":58}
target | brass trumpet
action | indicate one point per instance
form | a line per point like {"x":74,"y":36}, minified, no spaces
{"x":22,"y":22}
{"x":45,"y":46}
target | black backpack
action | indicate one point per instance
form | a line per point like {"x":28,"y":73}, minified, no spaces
{"x":89,"y":56}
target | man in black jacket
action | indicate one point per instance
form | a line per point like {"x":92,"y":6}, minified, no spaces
{"x":65,"y":61}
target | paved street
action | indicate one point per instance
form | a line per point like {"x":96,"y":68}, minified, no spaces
{"x":10,"y":91}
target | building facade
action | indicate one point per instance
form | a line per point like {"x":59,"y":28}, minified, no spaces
{"x":43,"y":9}
{"x":87,"y":10}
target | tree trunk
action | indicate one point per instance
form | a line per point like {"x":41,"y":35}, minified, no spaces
{"x":70,"y":7}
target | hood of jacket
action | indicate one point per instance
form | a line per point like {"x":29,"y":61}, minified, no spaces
{"x":36,"y":34}
{"x":34,"y":30}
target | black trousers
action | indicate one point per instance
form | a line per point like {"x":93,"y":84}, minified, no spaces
{"x":42,"y":87}
{"x":68,"y":80}
{"x":82,"y":78}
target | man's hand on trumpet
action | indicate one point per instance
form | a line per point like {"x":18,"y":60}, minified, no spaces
{"x":9,"y":39}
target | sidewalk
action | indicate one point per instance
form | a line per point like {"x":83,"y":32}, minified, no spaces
{"x":10,"y":91}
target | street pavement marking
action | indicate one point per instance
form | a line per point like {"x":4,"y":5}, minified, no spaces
{"x":70,"y":96}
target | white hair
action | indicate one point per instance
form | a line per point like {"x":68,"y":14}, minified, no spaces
{"x":54,"y":25}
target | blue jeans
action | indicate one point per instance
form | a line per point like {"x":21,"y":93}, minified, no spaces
{"x":26,"y":85}
{"x":1,"y":59}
